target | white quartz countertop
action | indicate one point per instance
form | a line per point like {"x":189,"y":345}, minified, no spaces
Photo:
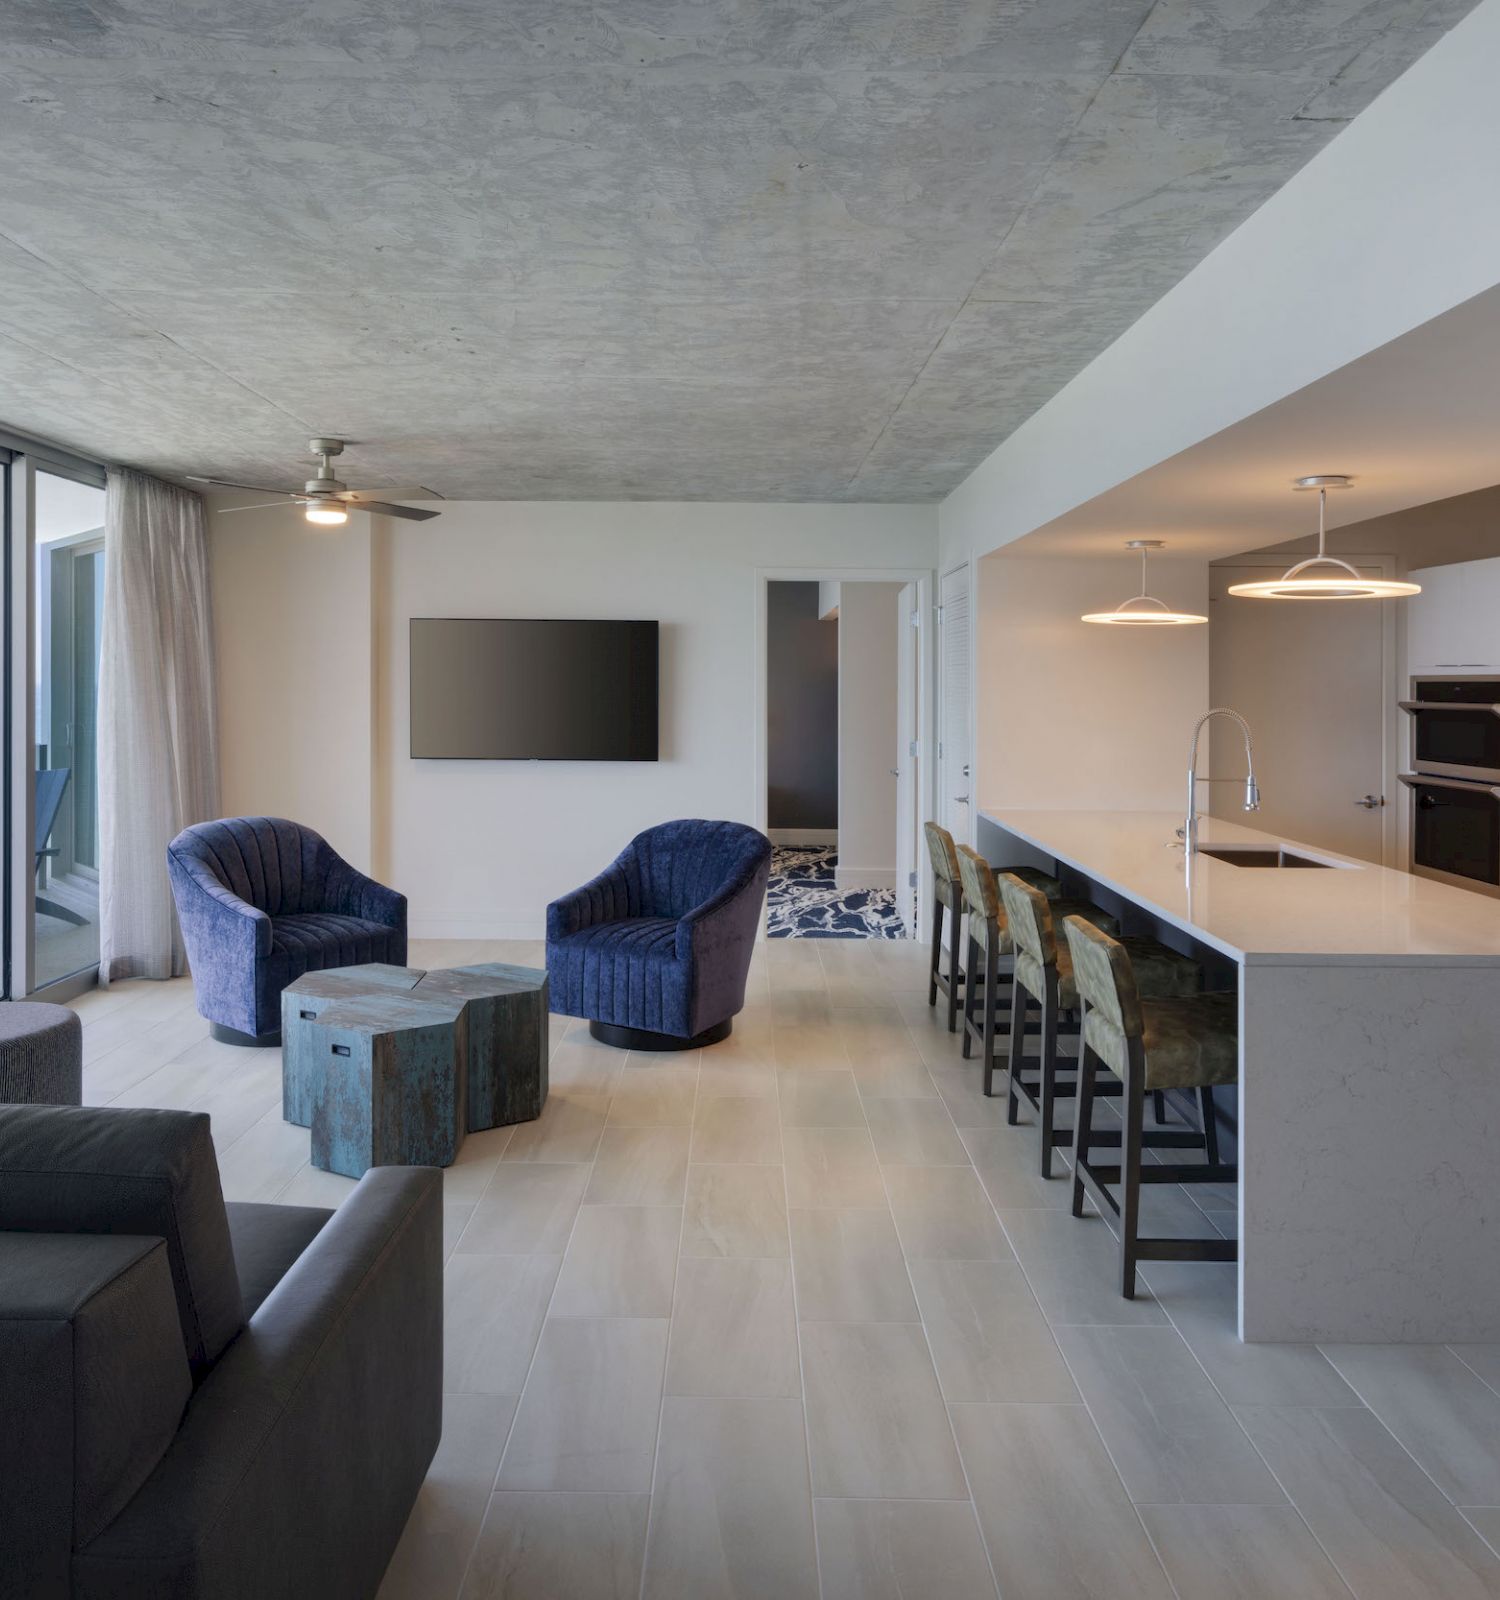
{"x":1351,"y":913}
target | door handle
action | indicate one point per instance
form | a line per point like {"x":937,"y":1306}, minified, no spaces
{"x":961,"y":799}
{"x":1371,"y":802}
{"x":895,"y":772}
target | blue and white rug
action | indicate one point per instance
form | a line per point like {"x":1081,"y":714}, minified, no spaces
{"x":804,"y":902}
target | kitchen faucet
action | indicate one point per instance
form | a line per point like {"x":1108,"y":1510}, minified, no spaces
{"x":1252,"y":793}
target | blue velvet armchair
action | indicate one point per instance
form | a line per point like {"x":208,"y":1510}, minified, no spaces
{"x":655,"y":951}
{"x":263,"y":900}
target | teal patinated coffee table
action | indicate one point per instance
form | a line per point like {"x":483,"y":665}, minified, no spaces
{"x":392,"y":1066}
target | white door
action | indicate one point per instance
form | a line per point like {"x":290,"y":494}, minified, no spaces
{"x":955,"y":797}
{"x":1310,"y":677}
{"x":907,"y":754}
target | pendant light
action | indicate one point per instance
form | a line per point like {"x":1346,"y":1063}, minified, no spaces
{"x":1143,"y":610}
{"x":1337,"y":579}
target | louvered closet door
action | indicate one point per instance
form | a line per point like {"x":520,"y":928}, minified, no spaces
{"x":955,"y":808}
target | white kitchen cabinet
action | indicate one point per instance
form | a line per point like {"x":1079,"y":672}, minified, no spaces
{"x":1454,"y":624}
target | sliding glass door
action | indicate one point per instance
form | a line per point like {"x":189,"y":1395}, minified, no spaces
{"x":54,"y":615}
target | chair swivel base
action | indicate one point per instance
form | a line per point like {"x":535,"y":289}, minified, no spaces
{"x":252,"y":1041}
{"x":643,"y":1039}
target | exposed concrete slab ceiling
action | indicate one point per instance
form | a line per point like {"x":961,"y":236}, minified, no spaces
{"x":656,"y":249}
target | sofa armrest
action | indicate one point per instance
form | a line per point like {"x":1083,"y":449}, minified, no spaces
{"x":602,"y":899}
{"x":301,"y":1454}
{"x":350,"y":893}
{"x":724,"y":918}
{"x":206,"y":907}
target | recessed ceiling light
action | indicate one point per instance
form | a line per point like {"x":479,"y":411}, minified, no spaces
{"x":1335,"y":579}
{"x":1144,"y":610}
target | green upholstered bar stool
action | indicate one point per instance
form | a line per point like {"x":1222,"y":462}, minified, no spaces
{"x":948,"y":896}
{"x":1147,"y":1045}
{"x":1043,"y":976}
{"x":989,"y":945}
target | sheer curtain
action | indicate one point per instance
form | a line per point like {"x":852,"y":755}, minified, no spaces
{"x":158,"y":750}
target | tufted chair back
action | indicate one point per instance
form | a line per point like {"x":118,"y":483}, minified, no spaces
{"x":944,"y":854}
{"x":676,"y":866}
{"x":277,"y":866}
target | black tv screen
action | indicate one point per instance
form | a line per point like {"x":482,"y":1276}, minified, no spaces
{"x":514,"y":689}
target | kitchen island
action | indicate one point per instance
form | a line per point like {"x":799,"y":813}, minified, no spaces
{"x":1369,"y":1093}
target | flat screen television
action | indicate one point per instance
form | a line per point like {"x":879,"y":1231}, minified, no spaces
{"x":519,"y":689}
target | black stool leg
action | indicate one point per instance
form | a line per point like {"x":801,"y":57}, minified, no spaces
{"x":1083,"y":1115}
{"x":955,"y":938}
{"x":1159,"y":1107}
{"x":971,"y":988}
{"x":1020,"y":999}
{"x":1046,"y":1106}
{"x":1210,"y":1125}
{"x":1133,"y":1106}
{"x":991,"y":1003}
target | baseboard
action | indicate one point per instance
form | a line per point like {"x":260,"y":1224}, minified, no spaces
{"x":864,"y":877}
{"x":804,"y":838}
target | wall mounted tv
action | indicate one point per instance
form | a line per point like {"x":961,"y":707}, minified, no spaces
{"x":517,"y":689}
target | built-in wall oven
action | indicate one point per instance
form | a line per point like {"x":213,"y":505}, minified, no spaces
{"x":1455,"y":779}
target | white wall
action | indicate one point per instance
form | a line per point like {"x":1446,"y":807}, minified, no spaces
{"x":1379,"y":233}
{"x":868,"y":653}
{"x":313,"y":642}
{"x":1071,"y":716}
{"x":293,"y":642}
{"x":828,"y":599}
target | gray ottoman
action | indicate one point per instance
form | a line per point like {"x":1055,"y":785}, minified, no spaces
{"x":41,"y":1054}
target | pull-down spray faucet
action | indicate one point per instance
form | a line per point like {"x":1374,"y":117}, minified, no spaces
{"x":1252,"y":792}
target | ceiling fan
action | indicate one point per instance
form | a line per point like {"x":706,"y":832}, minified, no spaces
{"x":324,"y":500}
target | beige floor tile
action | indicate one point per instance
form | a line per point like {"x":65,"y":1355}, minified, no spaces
{"x":914,"y":1133}
{"x":943,"y":1213}
{"x":803,"y":1008}
{"x":961,"y":1086}
{"x":621,"y":1262}
{"x":434,"y":1548}
{"x":1242,"y":1553}
{"x":567,"y":1130}
{"x":1486,"y":1519}
{"x":1201,"y":1298}
{"x":819,"y":1099}
{"x":900,"y":1549}
{"x":832,"y":1167}
{"x":731,"y":1512}
{"x":560,"y":1547}
{"x":734,"y":1330}
{"x":871,"y":1035}
{"x":588,"y":1416}
{"x":478,"y":1156}
{"x":1385,"y":1525}
{"x":809,"y":1045}
{"x":583,"y":1066}
{"x":311,"y":1186}
{"x":640,"y":1167}
{"x":651,"y":1094}
{"x":455,"y":1220}
{"x":1172,"y":1438}
{"x":1436,"y":1406}
{"x":1055,"y":1517}
{"x":848,"y":1267}
{"x":1006,"y":1161}
{"x":735,"y":1211}
{"x":263,"y":1160}
{"x":528,"y":1209}
{"x":1072,"y":1264}
{"x":736,"y":1077}
{"x":885,"y":1078}
{"x":493,"y":1308}
{"x":730,"y":1131}
{"x":875,"y":1415}
{"x":988,"y":1336}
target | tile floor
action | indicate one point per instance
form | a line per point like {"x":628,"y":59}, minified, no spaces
{"x":799,"y":1318}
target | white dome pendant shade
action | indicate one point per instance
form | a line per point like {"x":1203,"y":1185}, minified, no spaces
{"x":1335,"y":579}
{"x":1143,"y":610}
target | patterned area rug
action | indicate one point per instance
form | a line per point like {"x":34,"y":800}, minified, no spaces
{"x":804,"y":902}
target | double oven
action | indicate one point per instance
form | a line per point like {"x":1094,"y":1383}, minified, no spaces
{"x":1455,"y":779}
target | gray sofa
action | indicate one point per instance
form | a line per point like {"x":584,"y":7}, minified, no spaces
{"x":201,"y":1401}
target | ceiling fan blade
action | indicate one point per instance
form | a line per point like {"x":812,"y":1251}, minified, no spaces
{"x":260,"y":505}
{"x":225,"y":483}
{"x":413,"y":492}
{"x":381,"y":509}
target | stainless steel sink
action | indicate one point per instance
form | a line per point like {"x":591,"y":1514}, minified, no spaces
{"x":1258,"y":856}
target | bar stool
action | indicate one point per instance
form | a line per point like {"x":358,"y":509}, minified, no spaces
{"x":948,"y":895}
{"x":1043,"y":974}
{"x":1147,"y":1045}
{"x":989,"y":941}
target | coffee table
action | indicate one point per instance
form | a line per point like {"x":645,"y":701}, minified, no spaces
{"x":394,"y":1065}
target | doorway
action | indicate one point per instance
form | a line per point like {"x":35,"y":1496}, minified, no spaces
{"x":844,"y":681}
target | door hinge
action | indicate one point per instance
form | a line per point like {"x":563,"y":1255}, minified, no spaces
{"x":938,"y":611}
{"x":916,"y":619}
{"x":911,"y":880}
{"x":911,"y":748}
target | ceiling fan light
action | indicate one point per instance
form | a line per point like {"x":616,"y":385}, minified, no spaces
{"x":326,"y":516}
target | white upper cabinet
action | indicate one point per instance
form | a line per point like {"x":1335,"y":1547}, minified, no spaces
{"x":1454,"y":624}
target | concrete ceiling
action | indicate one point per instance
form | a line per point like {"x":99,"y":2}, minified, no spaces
{"x":665,"y":249}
